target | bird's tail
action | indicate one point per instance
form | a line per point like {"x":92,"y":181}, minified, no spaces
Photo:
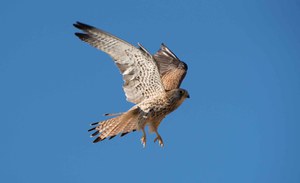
{"x":124,"y":123}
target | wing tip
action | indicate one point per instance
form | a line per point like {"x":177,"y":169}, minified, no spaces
{"x":92,"y":129}
{"x":98,"y":139}
{"x":82,"y":36}
{"x":111,"y":137}
{"x":125,"y":133}
{"x":95,"y":133}
{"x":96,"y":123}
{"x":82,"y":26}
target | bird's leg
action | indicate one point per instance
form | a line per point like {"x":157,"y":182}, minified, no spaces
{"x":158,"y":137}
{"x":141,"y":125}
{"x":143,"y":139}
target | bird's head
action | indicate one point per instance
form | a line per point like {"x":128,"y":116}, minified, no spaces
{"x":183,"y":93}
{"x":179,"y":94}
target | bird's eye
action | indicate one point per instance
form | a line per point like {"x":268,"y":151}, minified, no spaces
{"x":181,"y":92}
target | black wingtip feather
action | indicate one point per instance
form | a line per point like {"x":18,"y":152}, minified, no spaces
{"x":124,"y":134}
{"x":98,"y":139}
{"x":92,"y":129}
{"x":82,"y":26}
{"x":82,"y":36}
{"x":111,"y":137}
{"x":76,"y":25}
{"x":94,"y":134}
{"x":96,"y":123}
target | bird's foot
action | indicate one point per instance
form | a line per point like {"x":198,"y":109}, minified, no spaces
{"x":160,"y":141}
{"x":143,"y":141}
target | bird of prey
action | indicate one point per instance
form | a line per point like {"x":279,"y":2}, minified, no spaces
{"x":151,"y":82}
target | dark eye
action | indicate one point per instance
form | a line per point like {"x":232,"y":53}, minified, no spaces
{"x":181,"y":92}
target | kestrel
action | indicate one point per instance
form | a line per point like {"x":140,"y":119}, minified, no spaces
{"x":150,"y":82}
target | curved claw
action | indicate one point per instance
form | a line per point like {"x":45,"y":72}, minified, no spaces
{"x":160,"y":141}
{"x":143,"y":141}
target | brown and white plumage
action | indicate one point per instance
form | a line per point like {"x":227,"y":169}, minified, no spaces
{"x":171,"y":69}
{"x":124,"y":124}
{"x":140,"y":74}
{"x":144,"y":84}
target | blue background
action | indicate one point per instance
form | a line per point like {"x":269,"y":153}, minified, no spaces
{"x":240,"y":125}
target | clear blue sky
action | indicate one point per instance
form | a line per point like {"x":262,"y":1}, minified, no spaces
{"x":241,"y":124}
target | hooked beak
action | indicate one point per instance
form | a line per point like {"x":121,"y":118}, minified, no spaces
{"x":188,"y":96}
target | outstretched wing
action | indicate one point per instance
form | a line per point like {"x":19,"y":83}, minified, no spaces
{"x":171,"y":69}
{"x":140,"y":73}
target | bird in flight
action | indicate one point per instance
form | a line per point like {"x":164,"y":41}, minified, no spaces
{"x":151,"y":82}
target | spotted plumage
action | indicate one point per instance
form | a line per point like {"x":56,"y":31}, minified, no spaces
{"x":150,"y":82}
